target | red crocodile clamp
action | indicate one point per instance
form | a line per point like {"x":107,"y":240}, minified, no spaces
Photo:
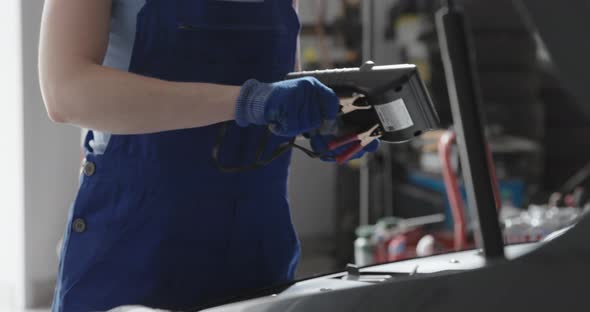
{"x":363,"y":139}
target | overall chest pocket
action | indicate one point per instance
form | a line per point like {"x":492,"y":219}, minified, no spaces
{"x":230,"y":53}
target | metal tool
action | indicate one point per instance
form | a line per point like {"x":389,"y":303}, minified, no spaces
{"x":349,"y":104}
{"x":393,"y":96}
{"x":364,"y":139}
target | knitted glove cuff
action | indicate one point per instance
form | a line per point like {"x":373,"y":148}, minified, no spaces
{"x":251,"y":103}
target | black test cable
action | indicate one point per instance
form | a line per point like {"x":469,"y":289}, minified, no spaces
{"x":278,"y":152}
{"x":259,"y":162}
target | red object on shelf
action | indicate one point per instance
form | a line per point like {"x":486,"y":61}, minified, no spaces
{"x":397,"y":248}
{"x":445,"y":147}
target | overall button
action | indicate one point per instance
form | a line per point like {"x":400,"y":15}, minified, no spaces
{"x":79,"y":225}
{"x":89,"y":168}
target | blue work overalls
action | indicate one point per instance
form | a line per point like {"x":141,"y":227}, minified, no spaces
{"x":155,"y":223}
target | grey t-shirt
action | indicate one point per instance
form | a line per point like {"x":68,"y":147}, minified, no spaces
{"x":118,"y":55}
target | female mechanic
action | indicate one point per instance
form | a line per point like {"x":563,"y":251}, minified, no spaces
{"x":157,"y":221}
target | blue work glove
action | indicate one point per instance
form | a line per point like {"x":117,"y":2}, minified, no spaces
{"x":289,"y":107}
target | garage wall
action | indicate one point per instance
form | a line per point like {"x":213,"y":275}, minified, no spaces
{"x":52,"y":158}
{"x":311,"y":194}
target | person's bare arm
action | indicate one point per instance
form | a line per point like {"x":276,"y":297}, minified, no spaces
{"x":78,"y":90}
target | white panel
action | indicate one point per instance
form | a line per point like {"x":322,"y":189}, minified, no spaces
{"x":11,"y":156}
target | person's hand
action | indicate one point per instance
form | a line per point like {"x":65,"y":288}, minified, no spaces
{"x":289,"y":107}
{"x":319,"y":144}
